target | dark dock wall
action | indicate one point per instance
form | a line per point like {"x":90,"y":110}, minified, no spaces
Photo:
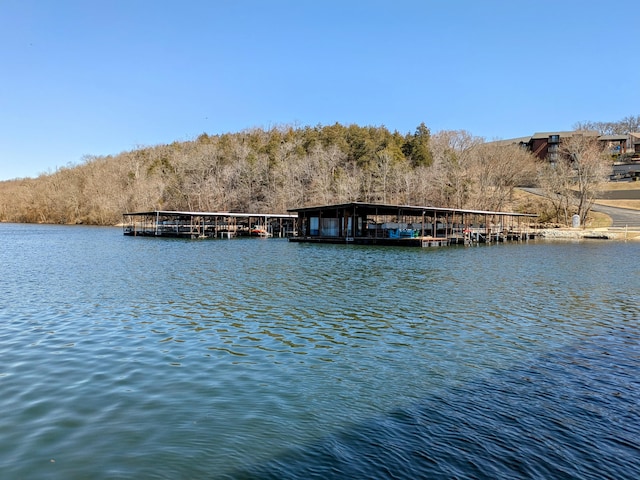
{"x":371,"y":224}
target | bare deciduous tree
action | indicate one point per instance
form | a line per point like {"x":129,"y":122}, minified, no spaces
{"x":555,"y":181}
{"x":590,"y":168}
{"x":496,"y":171}
{"x":577,"y":178}
{"x":451,"y":151}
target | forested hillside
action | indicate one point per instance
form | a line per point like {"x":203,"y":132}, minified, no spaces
{"x":271,"y":171}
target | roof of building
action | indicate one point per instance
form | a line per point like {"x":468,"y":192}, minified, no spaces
{"x":544,"y":135}
{"x":613,"y":138}
{"x":511,"y":141}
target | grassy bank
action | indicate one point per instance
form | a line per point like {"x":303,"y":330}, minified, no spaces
{"x":633,"y":204}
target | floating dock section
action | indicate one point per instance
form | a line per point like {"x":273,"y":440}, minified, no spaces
{"x":164,"y":223}
{"x":405,"y":225}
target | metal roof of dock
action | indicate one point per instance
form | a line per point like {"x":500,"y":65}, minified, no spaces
{"x":212,"y":214}
{"x":417,"y":210}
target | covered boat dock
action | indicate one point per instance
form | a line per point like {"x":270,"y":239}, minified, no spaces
{"x":177,"y":224}
{"x":406,"y":225}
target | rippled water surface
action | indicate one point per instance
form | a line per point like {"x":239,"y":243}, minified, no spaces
{"x":153,"y":358}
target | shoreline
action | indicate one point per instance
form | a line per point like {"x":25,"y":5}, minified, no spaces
{"x":602,"y":233}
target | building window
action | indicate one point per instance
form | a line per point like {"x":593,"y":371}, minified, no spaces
{"x":554,"y":138}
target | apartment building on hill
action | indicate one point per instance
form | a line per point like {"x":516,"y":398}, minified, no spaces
{"x":624,"y":149}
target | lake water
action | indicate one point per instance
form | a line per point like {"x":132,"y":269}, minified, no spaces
{"x":151,"y":358}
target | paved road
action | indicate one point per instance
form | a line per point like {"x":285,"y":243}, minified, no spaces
{"x":621,"y":217}
{"x":621,"y":195}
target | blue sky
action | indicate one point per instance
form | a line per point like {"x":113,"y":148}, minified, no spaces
{"x":100,"y":77}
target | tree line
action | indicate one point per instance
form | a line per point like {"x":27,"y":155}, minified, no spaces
{"x":270,"y":171}
{"x":628,"y":124}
